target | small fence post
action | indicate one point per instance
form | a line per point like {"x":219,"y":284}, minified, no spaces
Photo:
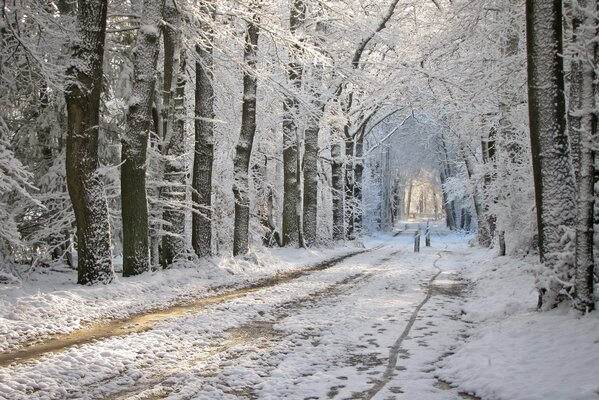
{"x":427,"y":236}
{"x":417,"y":241}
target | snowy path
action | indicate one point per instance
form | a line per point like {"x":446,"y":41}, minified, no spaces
{"x":371,"y":326}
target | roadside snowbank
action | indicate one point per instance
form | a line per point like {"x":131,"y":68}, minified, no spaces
{"x":515,"y":352}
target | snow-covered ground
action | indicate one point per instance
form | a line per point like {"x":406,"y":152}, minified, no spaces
{"x":372,"y":326}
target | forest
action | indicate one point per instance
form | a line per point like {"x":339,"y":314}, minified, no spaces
{"x":139,"y":137}
{"x":161,"y":130}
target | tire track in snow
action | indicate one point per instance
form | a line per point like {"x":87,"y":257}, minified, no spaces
{"x":145,"y":321}
{"x":395,"y":349}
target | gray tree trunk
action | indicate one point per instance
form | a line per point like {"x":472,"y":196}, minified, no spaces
{"x":585,"y":82}
{"x":83,"y":106}
{"x":201,"y":228}
{"x":338,"y":189}
{"x":357,"y":189}
{"x":173,"y":241}
{"x":241,"y":162}
{"x":292,"y":195}
{"x":409,"y":199}
{"x":136,"y":256}
{"x":310,"y":172}
{"x":555,"y":194}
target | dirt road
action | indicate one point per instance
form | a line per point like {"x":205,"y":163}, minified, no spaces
{"x":369,"y":326}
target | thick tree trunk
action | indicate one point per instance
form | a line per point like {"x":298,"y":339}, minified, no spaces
{"x":350,"y":204}
{"x":201,"y":228}
{"x":483,"y":236}
{"x":338,"y":189}
{"x":292,"y":191}
{"x":291,"y":199}
{"x":310,"y":171}
{"x":409,"y":199}
{"x":136,"y":256}
{"x":241,"y":163}
{"x":173,"y":242}
{"x":489,"y":160}
{"x":553,"y":176}
{"x":357,"y":189}
{"x":585,"y":39}
{"x":83,"y":106}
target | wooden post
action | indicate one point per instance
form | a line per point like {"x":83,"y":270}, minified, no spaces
{"x":417,"y":241}
{"x":502,"y":243}
{"x":427,"y":236}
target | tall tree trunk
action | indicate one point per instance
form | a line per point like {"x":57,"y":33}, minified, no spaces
{"x":136,"y":256}
{"x":409,"y":199}
{"x":552,"y":168}
{"x":173,"y":241}
{"x":357,"y":189}
{"x":489,"y":161}
{"x":310,"y":172}
{"x":483,"y":235}
{"x":241,"y":163}
{"x":292,"y":200}
{"x":83,"y":106}
{"x":338,"y":189}
{"x":349,"y":185}
{"x":585,"y":40}
{"x":201,"y":227}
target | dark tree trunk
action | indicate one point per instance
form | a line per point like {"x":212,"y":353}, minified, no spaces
{"x":241,"y":163}
{"x":201,"y":227}
{"x":553,"y":176}
{"x":349,"y":186}
{"x":292,"y":194}
{"x":173,"y":242}
{"x":338,"y":189}
{"x":310,"y":171}
{"x":586,"y":83}
{"x":136,"y":254}
{"x":409,"y":199}
{"x":357,"y":190}
{"x":83,"y":106}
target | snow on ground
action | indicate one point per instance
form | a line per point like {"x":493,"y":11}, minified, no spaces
{"x":50,"y":302}
{"x":370,"y":327}
{"x":515,"y":352}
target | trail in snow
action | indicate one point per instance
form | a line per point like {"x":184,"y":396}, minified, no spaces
{"x":146,"y":320}
{"x":394,"y":352}
{"x":325,"y":334}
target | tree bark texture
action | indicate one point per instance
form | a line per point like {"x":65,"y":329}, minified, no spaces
{"x":552,"y":167}
{"x":292,"y":200}
{"x":338,"y":189}
{"x":201,"y":228}
{"x":174,"y":192}
{"x":350,"y":203}
{"x":357,"y":189}
{"x":310,"y":180}
{"x":585,"y":82}
{"x":243,"y":152}
{"x":83,"y":106}
{"x":136,"y":258}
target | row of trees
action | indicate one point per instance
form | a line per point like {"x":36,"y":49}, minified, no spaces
{"x":484,"y":130}
{"x":195,"y":128}
{"x":109,"y":87}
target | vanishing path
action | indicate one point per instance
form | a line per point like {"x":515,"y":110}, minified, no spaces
{"x":370,"y":326}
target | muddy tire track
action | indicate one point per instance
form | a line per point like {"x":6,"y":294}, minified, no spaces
{"x":144,"y":321}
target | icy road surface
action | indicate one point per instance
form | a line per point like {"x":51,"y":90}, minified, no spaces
{"x":371,"y":326}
